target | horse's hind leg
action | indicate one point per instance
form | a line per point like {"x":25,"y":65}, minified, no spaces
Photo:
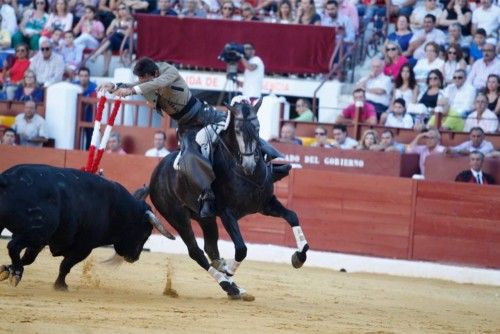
{"x":275,"y":209}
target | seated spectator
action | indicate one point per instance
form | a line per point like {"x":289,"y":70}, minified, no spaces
{"x":115,"y":144}
{"x":332,"y":18}
{"x":9,"y":18}
{"x":321,"y":138}
{"x":387,"y":143}
{"x":459,"y":95}
{"x":367,"y":115}
{"x":285,"y":13}
{"x":492,"y":92}
{"x":287,"y":135}
{"x":303,"y":109}
{"x":28,"y":89}
{"x":248,"y":12}
{"x":482,"y":68}
{"x":60,"y":18}
{"x":164,"y":9}
{"x":482,"y":117}
{"x":487,"y":17}
{"x":475,"y":174}
{"x":72,"y":54}
{"x":378,"y":87}
{"x":47,"y":65}
{"x":89,"y":90}
{"x":425,"y":65}
{"x":118,"y":32}
{"x":227,"y":10}
{"x":306,"y":13}
{"x":475,"y":143}
{"x":476,"y":47}
{"x":418,"y":15}
{"x":369,"y":140}
{"x":423,"y":37}
{"x":90,"y":31}
{"x":401,"y":7}
{"x":405,"y":85}
{"x":14,"y":69}
{"x":394,"y":59}
{"x":347,"y":9}
{"x":193,"y":9}
{"x":341,"y":140}
{"x":453,"y":61}
{"x":456,"y":12}
{"x":9,"y":137}
{"x":402,"y":34}
{"x":159,"y":150}
{"x":140,"y":6}
{"x":31,"y":25}
{"x":398,"y":117}
{"x":425,"y":144}
{"x":455,"y":37}
{"x":432,"y":95}
{"x":5,"y":38}
{"x":56,"y":40}
{"x":30,"y":126}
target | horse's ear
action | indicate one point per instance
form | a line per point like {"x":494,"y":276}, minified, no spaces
{"x":258,"y":104}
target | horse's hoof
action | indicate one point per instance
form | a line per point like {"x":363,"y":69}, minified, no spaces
{"x":4,"y":272}
{"x":234,"y":297}
{"x":247,"y":297}
{"x":60,"y":286}
{"x":298,"y":259}
{"x":14,"y":280}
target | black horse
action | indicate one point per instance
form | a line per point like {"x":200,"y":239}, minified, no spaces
{"x":243,"y":185}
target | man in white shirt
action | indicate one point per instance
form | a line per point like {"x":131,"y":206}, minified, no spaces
{"x":340,"y":138}
{"x":47,"y":65}
{"x":377,"y":86}
{"x":460,"y":94}
{"x":428,"y":34}
{"x":159,"y":150}
{"x":254,"y":73}
{"x":476,"y":143}
{"x":485,"y":66}
{"x":30,"y":126}
{"x":482,"y":117}
{"x":486,"y":16}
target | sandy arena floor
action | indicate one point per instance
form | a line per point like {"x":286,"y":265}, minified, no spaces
{"x":129,"y":299}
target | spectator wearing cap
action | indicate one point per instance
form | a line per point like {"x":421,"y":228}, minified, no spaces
{"x":482,"y":68}
{"x":367,"y":115}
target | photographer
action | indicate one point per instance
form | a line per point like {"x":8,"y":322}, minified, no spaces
{"x":254,"y":73}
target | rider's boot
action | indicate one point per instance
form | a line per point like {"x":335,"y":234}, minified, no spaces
{"x":207,"y":204}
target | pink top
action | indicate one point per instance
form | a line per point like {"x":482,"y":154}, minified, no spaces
{"x":393,"y":69}
{"x":368,"y":112}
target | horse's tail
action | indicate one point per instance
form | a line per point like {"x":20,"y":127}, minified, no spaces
{"x":142,"y":193}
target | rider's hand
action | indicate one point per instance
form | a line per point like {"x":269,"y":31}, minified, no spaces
{"x":106,"y":87}
{"x":123,"y":92}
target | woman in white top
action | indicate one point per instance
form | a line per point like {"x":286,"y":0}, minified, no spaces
{"x":405,"y":85}
{"x":398,"y":118}
{"x":59,"y":18}
{"x":453,"y":61}
{"x":427,"y":64}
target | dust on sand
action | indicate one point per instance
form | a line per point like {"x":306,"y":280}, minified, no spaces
{"x":129,"y":299}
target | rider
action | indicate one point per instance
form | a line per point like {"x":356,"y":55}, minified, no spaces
{"x":166,"y":91}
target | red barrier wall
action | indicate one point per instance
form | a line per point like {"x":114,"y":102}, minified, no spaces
{"x":362,"y":214}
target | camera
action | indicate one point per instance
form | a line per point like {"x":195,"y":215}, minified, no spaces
{"x":232,"y":53}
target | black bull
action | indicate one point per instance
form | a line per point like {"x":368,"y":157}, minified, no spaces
{"x":72,"y":212}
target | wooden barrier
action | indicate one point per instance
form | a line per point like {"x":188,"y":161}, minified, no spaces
{"x":371,"y":215}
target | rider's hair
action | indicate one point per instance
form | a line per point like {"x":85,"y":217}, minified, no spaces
{"x":146,"y":66}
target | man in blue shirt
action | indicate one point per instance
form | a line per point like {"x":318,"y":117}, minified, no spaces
{"x":88,"y":90}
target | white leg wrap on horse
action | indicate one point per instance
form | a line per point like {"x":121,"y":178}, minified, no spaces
{"x":299,"y":237}
{"x":231,"y":266}
{"x":217,"y":275}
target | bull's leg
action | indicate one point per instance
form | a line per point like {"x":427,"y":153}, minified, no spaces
{"x":275,"y":209}
{"x":30,"y":255}
{"x":67,"y":263}
{"x":14,"y":271}
{"x":240,"y":249}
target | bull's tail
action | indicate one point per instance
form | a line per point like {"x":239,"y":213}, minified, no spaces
{"x":142,"y":193}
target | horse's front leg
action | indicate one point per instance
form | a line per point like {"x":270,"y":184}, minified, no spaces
{"x":275,"y":209}
{"x":240,"y":249}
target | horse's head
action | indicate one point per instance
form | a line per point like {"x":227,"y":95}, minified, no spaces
{"x":246,"y":130}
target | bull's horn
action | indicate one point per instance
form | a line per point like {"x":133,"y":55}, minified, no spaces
{"x":156,"y":223}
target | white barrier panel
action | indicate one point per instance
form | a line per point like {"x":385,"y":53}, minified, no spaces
{"x":60,"y":113}
{"x":269,"y":117}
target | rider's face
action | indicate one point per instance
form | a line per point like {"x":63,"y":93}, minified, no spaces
{"x":145,"y":78}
